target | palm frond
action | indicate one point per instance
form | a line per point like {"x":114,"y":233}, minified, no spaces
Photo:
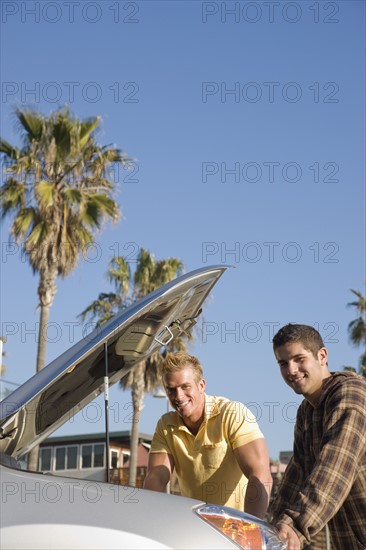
{"x":24,"y":223}
{"x":119,"y":273}
{"x":37,"y":238}
{"x":12,"y":196}
{"x":72,"y":196}
{"x":357,"y":331}
{"x":357,"y":327}
{"x":87,"y":128}
{"x":46,"y":192}
{"x":8,"y":150}
{"x":361,"y":302}
{"x":31,"y":122}
{"x":101,"y":309}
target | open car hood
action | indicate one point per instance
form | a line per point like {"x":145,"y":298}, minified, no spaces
{"x":51,"y":397}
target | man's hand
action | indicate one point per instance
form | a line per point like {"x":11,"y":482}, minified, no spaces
{"x":288,"y":535}
{"x":159,"y":469}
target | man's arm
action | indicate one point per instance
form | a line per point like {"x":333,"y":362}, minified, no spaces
{"x":159,"y":469}
{"x":288,"y":493}
{"x":253,"y":460}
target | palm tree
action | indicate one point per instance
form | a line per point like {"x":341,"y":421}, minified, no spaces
{"x":144,"y":377}
{"x":2,"y":354}
{"x":357,"y":327}
{"x":58,"y":191}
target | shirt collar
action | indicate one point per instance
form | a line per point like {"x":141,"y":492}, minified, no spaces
{"x":211,"y":409}
{"x":211,"y":406}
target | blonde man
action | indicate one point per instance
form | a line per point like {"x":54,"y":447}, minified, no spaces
{"x":214,"y":444}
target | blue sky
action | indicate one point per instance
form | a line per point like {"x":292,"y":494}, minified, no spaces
{"x":246,"y":121}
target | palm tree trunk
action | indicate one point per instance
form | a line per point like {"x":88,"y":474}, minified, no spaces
{"x":134,"y":444}
{"x":42,"y":337}
{"x":46,"y":293}
{"x":138,"y":393}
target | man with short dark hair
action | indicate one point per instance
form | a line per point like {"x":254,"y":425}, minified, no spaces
{"x":214,"y":444}
{"x":325,"y":481}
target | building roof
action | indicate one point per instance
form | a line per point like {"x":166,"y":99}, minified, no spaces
{"x":100,"y":436}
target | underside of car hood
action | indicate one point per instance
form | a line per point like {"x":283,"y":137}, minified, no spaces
{"x":55,"y":394}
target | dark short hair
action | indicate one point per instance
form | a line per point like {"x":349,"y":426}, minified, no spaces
{"x":307,"y":335}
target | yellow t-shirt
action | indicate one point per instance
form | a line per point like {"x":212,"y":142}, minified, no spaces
{"x":205,"y":464}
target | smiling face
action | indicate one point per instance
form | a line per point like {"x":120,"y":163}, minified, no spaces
{"x":301,"y":370}
{"x":186,"y":395}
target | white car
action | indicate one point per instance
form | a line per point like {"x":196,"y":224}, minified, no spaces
{"x":40,"y":511}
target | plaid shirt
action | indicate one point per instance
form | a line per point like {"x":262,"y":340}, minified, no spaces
{"x":325,"y":481}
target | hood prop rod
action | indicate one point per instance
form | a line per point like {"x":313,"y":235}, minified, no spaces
{"x":106,"y":408}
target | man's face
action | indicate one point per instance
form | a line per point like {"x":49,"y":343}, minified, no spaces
{"x":185,"y":394}
{"x":303,"y":372}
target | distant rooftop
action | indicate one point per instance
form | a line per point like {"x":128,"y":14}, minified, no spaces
{"x":94,"y":437}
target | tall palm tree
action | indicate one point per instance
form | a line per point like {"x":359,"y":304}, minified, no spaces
{"x":145,"y":377}
{"x":58,"y":191}
{"x":2,"y":354}
{"x":357,"y":327}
